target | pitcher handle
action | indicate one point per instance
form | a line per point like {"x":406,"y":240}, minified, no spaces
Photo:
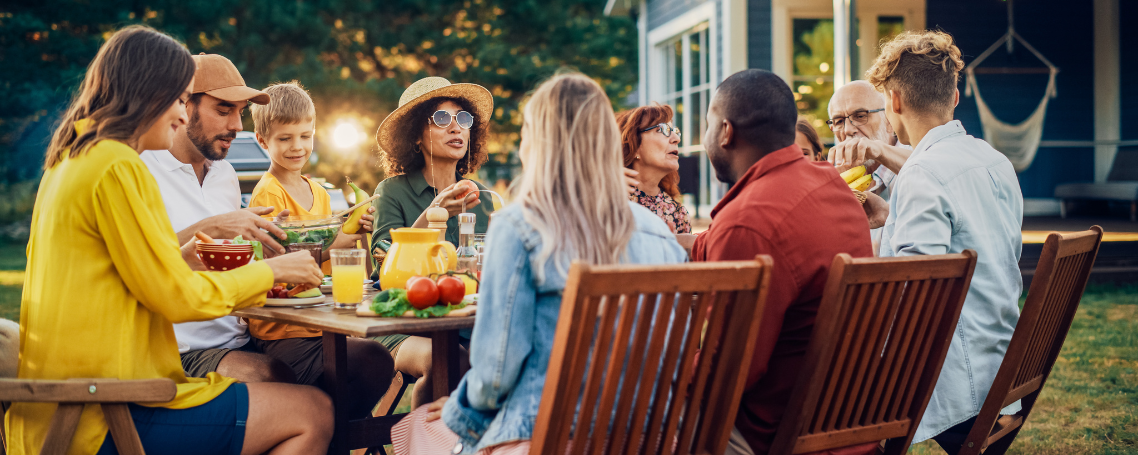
{"x":452,"y":254}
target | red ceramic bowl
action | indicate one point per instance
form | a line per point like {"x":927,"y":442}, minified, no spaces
{"x":224,"y":257}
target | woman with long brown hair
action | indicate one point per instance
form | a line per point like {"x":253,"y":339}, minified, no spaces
{"x":650,"y":146}
{"x":106,"y":279}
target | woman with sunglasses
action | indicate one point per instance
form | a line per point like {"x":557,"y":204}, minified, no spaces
{"x":651,"y":147}
{"x":436,"y":136}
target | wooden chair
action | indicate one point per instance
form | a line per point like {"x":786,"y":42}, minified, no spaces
{"x":625,"y":356}
{"x":882,"y":332}
{"x":1056,"y":289}
{"x":72,"y":394}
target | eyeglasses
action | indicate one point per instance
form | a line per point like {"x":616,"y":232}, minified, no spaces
{"x":858,"y":118}
{"x":664,"y":128}
{"x":442,"y":119}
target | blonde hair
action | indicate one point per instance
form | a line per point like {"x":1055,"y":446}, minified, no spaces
{"x":289,"y":104}
{"x":572,"y":188}
{"x":924,"y":66}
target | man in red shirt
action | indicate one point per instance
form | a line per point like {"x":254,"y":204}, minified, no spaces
{"x":799,"y":212}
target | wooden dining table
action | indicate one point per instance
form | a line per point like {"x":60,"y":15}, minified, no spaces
{"x":338,"y":325}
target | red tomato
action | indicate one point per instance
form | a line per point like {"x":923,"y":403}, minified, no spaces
{"x":451,"y":290}
{"x":422,"y":293}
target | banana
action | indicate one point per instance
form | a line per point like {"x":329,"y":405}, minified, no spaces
{"x":862,"y":183}
{"x":353,"y":224}
{"x":853,"y":174}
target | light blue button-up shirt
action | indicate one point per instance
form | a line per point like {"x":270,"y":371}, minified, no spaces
{"x":956,"y":192}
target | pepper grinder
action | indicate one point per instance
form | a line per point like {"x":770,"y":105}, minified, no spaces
{"x":437,"y":219}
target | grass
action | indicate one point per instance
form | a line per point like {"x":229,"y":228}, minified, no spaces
{"x":1089,"y":405}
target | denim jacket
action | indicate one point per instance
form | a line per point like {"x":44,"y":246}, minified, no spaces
{"x":956,"y":192}
{"x":497,"y":400}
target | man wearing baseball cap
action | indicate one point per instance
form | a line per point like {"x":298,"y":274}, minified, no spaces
{"x":202,"y":193}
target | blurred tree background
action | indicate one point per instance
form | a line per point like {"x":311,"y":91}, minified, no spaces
{"x":355,"y":57}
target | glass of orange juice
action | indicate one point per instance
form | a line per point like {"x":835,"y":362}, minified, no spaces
{"x":348,"y":277}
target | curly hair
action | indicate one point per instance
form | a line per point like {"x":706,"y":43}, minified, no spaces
{"x":630,"y":123}
{"x":924,"y":66}
{"x":407,"y":156}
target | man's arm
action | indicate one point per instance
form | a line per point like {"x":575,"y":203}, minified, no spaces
{"x":245,"y":222}
{"x":856,"y":152}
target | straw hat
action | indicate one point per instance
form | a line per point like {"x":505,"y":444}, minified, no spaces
{"x":425,"y":90}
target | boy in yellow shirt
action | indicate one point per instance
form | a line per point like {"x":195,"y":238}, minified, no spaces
{"x":285,"y":128}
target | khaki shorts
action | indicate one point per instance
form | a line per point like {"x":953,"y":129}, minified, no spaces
{"x":200,"y":362}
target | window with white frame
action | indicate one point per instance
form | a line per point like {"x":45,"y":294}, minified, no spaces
{"x":687,"y":63}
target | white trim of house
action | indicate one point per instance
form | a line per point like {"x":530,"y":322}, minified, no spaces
{"x":642,"y":37}
{"x":1108,"y":93}
{"x":734,"y":36}
{"x":671,"y":29}
{"x":782,"y":32}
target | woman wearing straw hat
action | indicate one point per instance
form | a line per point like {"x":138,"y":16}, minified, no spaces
{"x":435,"y":137}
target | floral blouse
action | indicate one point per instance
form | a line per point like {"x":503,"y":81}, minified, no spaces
{"x":667,"y":208}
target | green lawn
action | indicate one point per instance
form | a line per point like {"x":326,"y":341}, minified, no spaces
{"x":1089,"y":405}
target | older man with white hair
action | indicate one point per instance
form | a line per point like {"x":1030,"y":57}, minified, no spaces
{"x":864,"y":137}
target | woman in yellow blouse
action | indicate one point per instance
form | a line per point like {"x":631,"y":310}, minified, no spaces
{"x":105,"y":277}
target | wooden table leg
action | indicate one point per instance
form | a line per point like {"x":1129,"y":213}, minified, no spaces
{"x":445,"y":353}
{"x":336,"y":383}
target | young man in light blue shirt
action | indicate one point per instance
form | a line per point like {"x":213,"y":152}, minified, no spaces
{"x":954,"y":192}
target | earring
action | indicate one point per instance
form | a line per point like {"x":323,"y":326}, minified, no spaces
{"x":417,"y":148}
{"x":637,"y":156}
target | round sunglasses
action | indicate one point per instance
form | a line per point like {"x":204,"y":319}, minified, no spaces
{"x":442,"y":119}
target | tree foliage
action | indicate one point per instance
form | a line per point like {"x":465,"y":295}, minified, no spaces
{"x":355,"y":57}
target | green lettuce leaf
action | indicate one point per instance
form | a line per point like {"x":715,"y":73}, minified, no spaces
{"x":257,"y":253}
{"x":393,"y":303}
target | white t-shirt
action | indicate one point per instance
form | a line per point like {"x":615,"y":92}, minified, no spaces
{"x":187,"y":202}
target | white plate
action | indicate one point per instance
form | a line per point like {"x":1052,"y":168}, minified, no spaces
{"x":327,"y":288}
{"x":294,"y":302}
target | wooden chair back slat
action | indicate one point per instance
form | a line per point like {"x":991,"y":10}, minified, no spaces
{"x":880,"y":337}
{"x":73,"y":394}
{"x":623,"y":375}
{"x":1056,"y":289}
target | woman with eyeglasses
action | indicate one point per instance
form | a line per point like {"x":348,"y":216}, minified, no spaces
{"x":651,"y":147}
{"x":436,"y":136}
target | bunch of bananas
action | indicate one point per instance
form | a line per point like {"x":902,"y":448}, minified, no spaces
{"x":858,"y":181}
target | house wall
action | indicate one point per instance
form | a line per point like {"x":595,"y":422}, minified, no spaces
{"x":1128,"y":67}
{"x":759,"y":34}
{"x":1062,"y":32}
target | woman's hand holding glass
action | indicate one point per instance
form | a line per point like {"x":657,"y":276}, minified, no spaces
{"x":295,"y":268}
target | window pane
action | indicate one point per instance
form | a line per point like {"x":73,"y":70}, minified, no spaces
{"x":888,"y":27}
{"x":696,"y":59}
{"x":813,"y":81}
{"x":678,"y":84}
{"x":696,"y":129}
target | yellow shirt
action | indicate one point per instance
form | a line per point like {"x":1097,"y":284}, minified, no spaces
{"x":105,"y":281}
{"x":270,"y":193}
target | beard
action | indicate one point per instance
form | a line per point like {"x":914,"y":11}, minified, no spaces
{"x":205,"y":144}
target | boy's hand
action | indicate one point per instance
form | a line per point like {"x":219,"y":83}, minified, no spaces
{"x":367,"y":220}
{"x":435,"y":409}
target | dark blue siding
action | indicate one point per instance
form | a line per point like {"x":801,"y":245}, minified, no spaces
{"x":1063,"y":32}
{"x":759,"y":34}
{"x":1128,"y":53}
{"x":662,"y":11}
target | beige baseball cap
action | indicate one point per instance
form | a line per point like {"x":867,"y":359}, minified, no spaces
{"x":217,"y":77}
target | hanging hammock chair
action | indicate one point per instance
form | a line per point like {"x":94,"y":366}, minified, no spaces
{"x":1020,"y":141}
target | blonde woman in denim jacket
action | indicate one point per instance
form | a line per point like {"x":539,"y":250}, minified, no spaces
{"x":571,"y":204}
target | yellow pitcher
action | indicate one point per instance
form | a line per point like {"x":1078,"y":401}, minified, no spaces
{"x":415,"y":252}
